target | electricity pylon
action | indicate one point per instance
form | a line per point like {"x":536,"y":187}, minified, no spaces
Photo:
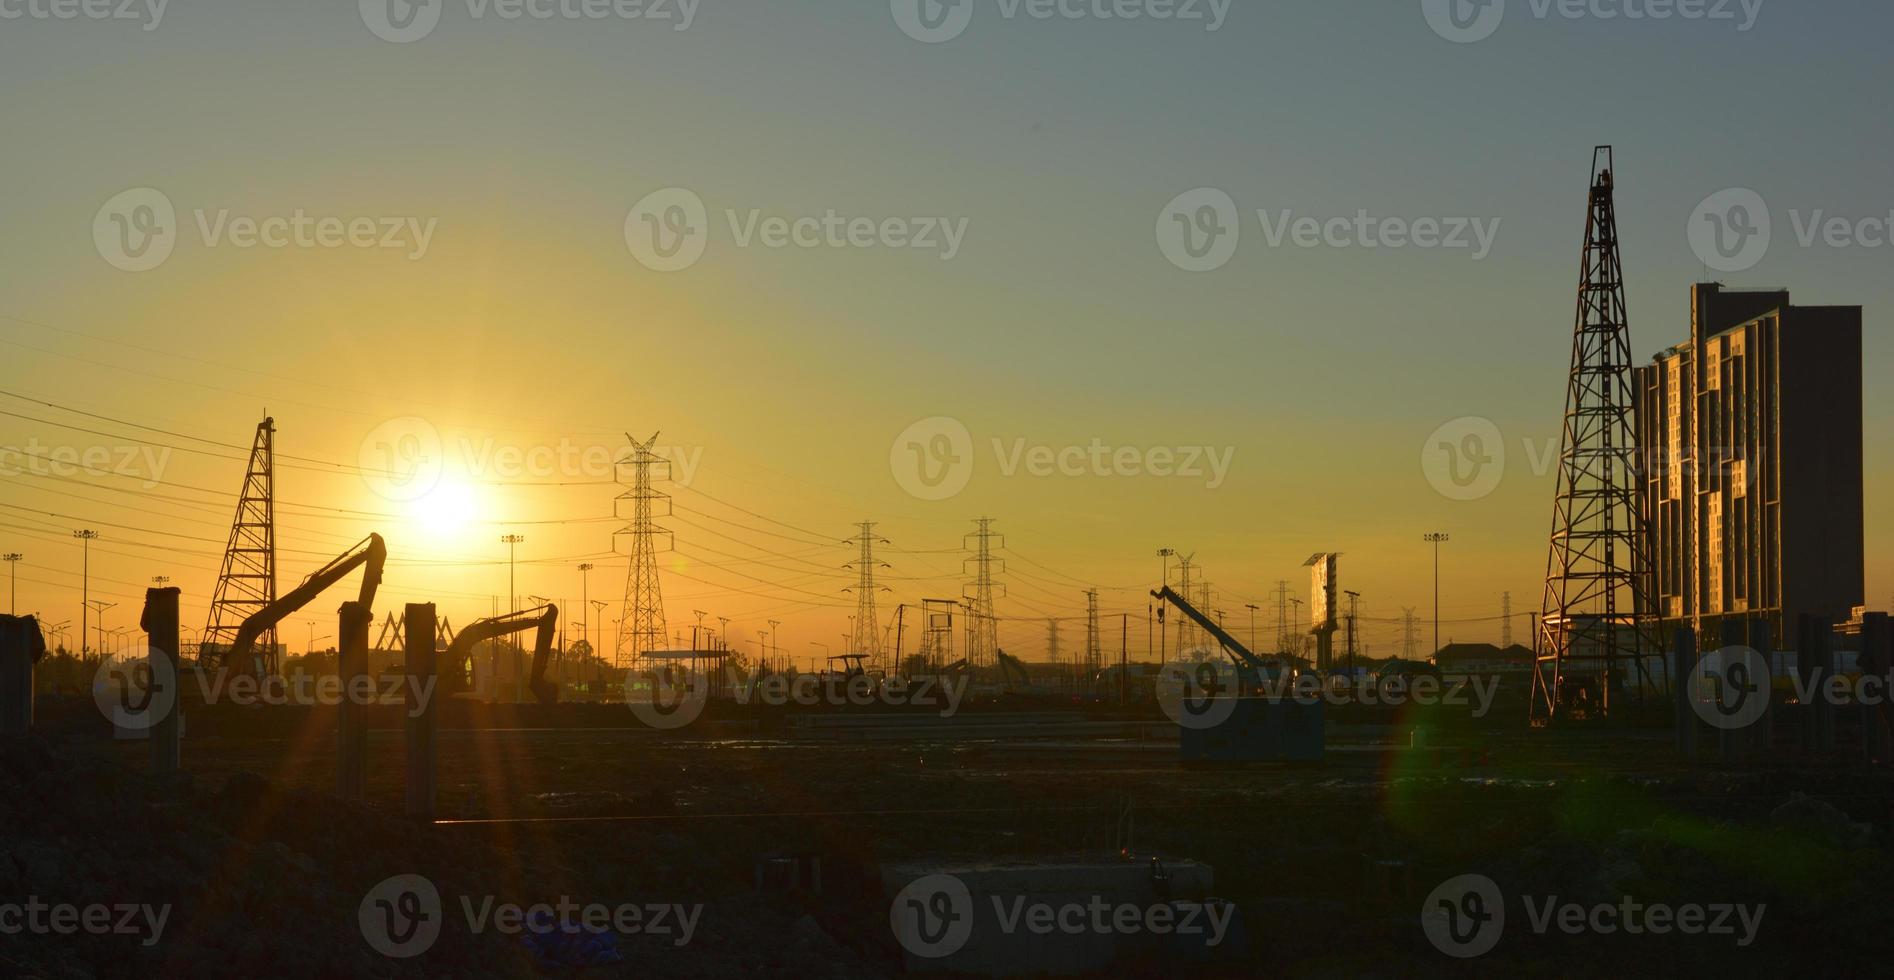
{"x":1594,"y":642}
{"x":983,"y":630}
{"x":641,"y":629}
{"x":866,"y":636}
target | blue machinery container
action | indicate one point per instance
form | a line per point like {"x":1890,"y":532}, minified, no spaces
{"x":1259,"y":730}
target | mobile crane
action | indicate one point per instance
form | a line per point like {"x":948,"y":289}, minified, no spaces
{"x":1253,"y":729}
{"x":371,"y":553}
{"x":1251,"y":670}
{"x":545,"y":618}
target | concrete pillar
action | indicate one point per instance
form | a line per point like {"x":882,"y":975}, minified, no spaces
{"x":351,"y":722}
{"x":160,"y":623}
{"x":21,"y":646}
{"x":1683,"y":665}
{"x":423,"y":685}
{"x":1877,"y":655}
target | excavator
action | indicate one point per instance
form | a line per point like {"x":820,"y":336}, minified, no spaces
{"x":455,"y":662}
{"x":371,"y":553}
{"x":1012,"y":672}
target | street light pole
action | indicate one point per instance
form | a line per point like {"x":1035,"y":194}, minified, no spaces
{"x":85,"y":579}
{"x":1252,"y":608}
{"x":585,"y":602}
{"x":1353,"y":599}
{"x":511,"y":540}
{"x":12,"y":559}
{"x":598,"y":618}
{"x":99,"y":606}
{"x":1436,"y":538}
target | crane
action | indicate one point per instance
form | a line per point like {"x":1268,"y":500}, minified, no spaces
{"x":1252,"y":669}
{"x":545,"y":618}
{"x":370,"y":554}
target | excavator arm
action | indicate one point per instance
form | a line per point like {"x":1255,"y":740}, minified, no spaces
{"x":370,"y":554}
{"x":545,"y":618}
{"x":1012,"y":670}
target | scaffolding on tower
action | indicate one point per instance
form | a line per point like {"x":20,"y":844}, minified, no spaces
{"x":246,"y":582}
{"x":1595,"y":639}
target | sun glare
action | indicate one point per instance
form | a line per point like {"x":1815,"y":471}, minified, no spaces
{"x":447,"y":511}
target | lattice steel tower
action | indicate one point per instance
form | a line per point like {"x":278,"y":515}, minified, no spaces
{"x":641,"y":628}
{"x":866,"y":638}
{"x":247,"y":581}
{"x":1594,"y":643}
{"x":983,"y":628}
{"x":1186,"y":630}
{"x":1094,"y":655}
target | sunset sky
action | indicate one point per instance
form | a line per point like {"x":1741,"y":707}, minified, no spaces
{"x":780,"y":378}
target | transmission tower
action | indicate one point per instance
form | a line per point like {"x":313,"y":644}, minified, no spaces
{"x":983,"y":631}
{"x":641,"y":629}
{"x":1410,"y":642}
{"x":1094,"y":657}
{"x":867,"y":633}
{"x":247,"y":581}
{"x":1598,"y":564}
{"x":1186,"y":630}
{"x":1505,"y":620}
{"x":1052,"y":640}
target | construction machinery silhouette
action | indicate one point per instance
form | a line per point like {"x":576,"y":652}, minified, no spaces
{"x":454,"y":668}
{"x":370,"y":554}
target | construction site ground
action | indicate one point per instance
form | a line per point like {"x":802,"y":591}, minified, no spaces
{"x":1329,"y":864}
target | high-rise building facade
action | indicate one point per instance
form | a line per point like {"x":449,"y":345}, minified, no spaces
{"x":1751,"y":435}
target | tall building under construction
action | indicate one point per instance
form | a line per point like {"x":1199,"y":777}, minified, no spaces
{"x":1752,"y":437}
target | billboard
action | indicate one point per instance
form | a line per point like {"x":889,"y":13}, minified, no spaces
{"x":1322,"y":591}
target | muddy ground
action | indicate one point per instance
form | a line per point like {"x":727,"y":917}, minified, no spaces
{"x":266,"y":871}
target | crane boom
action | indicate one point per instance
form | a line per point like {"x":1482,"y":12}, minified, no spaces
{"x":545,"y":618}
{"x":1210,"y":626}
{"x":371,"y":553}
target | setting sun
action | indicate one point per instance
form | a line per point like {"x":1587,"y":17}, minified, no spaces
{"x":448,"y":511}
